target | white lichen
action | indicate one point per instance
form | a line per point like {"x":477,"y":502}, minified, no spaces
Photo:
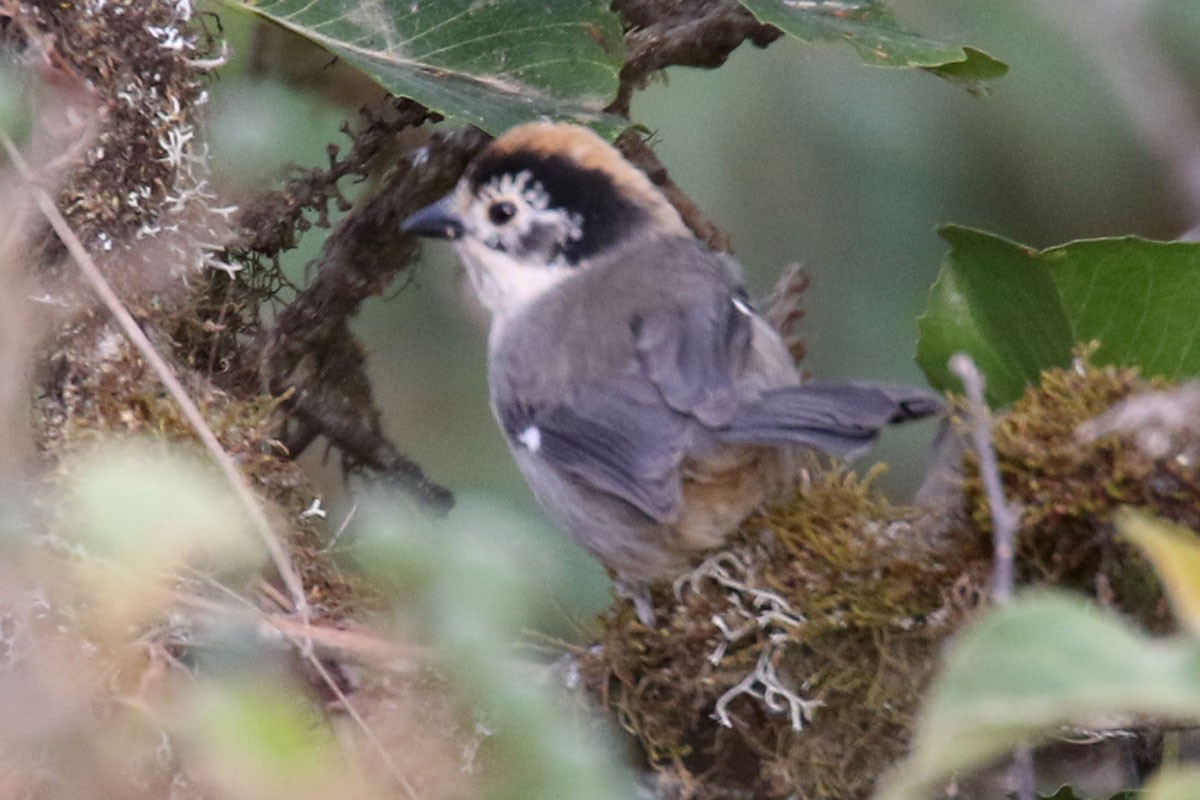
{"x":765,"y":685}
{"x":751,"y":612}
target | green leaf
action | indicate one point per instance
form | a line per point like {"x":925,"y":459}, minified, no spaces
{"x":259,"y":737}
{"x":1063,"y":793}
{"x":493,"y":63}
{"x":1018,"y":311}
{"x":1175,"y":552}
{"x":1069,"y":793}
{"x":147,"y":508}
{"x":1174,"y":784}
{"x":869,"y":27}
{"x":1028,"y":669}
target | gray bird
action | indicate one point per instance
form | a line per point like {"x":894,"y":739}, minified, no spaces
{"x":649,"y":407}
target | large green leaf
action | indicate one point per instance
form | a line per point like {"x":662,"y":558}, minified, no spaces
{"x":494,"y":63}
{"x":1174,"y":784}
{"x":1018,"y":311}
{"x":870,"y":28}
{"x":1025,"y":671}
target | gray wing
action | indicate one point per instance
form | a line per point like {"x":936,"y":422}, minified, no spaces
{"x":693,"y":355}
{"x":619,"y":437}
{"x":840,"y":419}
{"x":627,"y":434}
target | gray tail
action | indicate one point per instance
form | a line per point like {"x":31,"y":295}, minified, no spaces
{"x":840,"y":419}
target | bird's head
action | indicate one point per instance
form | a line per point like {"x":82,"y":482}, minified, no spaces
{"x":539,"y":204}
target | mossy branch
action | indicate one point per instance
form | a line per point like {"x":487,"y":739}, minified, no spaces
{"x":874,"y":592}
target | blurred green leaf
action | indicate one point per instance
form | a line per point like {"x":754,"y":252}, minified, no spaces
{"x":1025,"y":670}
{"x":1175,"y":552}
{"x":869,"y":27}
{"x":494,"y":63}
{"x":260,"y":738}
{"x":1173,"y":784}
{"x":1068,"y":793}
{"x":15,"y":104}
{"x":472,"y":582}
{"x":149,"y":507}
{"x":1062,"y":793}
{"x":1018,"y":311}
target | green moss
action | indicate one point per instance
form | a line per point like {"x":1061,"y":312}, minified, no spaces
{"x":844,"y":600}
{"x":1068,"y":486}
{"x":839,"y":598}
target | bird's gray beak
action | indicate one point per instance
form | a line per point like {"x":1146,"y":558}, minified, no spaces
{"x":437,"y":220}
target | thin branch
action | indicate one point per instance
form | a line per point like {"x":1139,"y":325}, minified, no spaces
{"x":391,"y":765}
{"x":1005,"y":517}
{"x":359,"y":646}
{"x":662,"y":33}
{"x":310,"y":349}
{"x":91,"y":272}
{"x":303,"y":640}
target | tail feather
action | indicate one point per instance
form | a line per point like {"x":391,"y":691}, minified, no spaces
{"x":840,"y":419}
{"x":910,"y":402}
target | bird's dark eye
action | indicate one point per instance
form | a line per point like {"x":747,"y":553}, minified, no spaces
{"x":501,"y":212}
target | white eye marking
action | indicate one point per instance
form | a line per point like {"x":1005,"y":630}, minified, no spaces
{"x":531,"y":437}
{"x":531,"y":207}
{"x":741,"y":306}
{"x":511,"y":187}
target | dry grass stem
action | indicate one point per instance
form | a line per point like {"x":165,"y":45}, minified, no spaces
{"x":191,"y":412}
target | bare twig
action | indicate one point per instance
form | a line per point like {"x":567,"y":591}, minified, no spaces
{"x":702,"y":33}
{"x":380,"y":749}
{"x":303,"y":639}
{"x":1006,"y":517}
{"x":310,"y":349}
{"x":784,"y":310}
{"x":356,"y":645}
{"x":191,"y":412}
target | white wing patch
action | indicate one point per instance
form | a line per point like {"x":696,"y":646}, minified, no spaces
{"x":741,"y":306}
{"x":531,"y":437}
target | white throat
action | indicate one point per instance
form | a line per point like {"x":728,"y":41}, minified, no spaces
{"x":504,"y":285}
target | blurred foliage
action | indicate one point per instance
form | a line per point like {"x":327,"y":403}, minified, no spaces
{"x":254,"y":736}
{"x":1174,"y":784}
{"x":144,"y":666}
{"x":164,"y":673}
{"x":1069,"y":793}
{"x":1025,"y":671}
{"x":1050,"y":660}
{"x":1175,"y":554}
{"x":119,"y":494}
{"x":466,"y":583}
{"x":15,"y":101}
